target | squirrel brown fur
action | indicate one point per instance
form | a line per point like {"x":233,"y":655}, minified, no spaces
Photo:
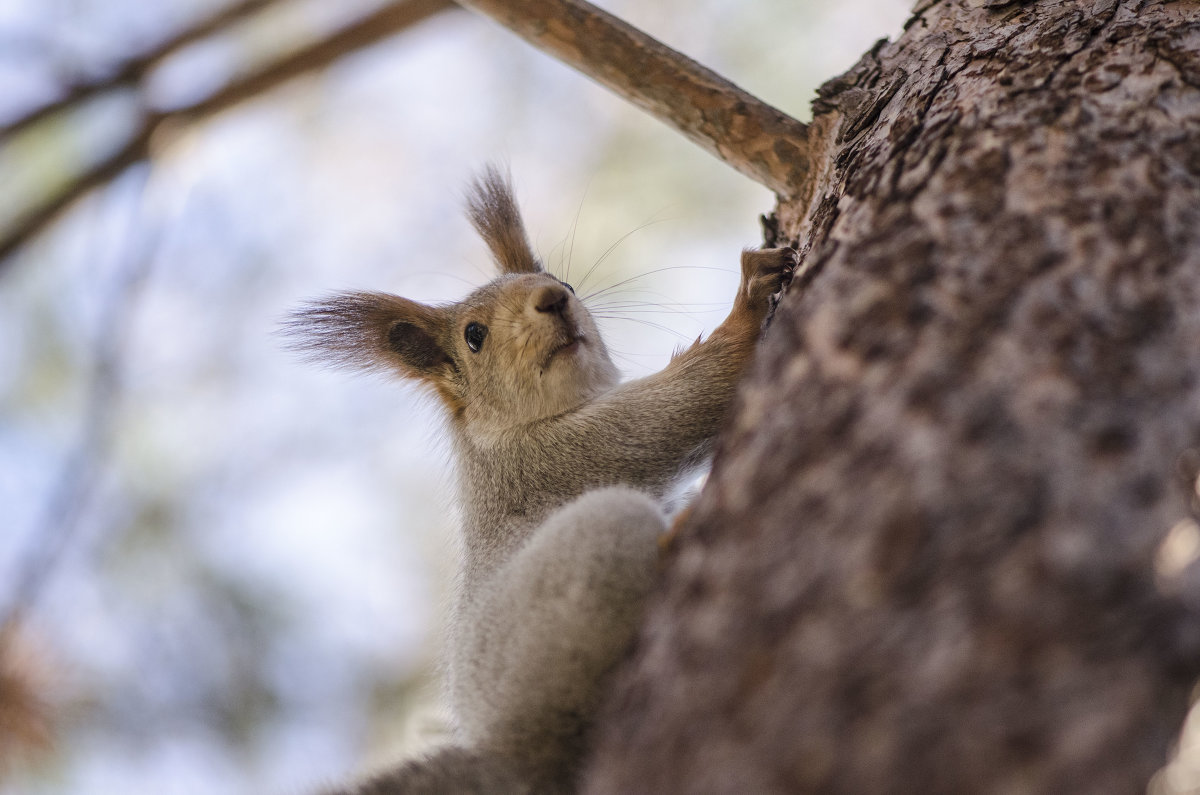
{"x":561,"y":472}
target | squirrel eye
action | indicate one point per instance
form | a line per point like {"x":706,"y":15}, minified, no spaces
{"x":475,"y":334}
{"x":569,"y":287}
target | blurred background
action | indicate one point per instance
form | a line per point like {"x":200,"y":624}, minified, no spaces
{"x":222,"y":570}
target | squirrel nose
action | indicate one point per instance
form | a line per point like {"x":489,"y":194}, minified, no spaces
{"x":552,"y":298}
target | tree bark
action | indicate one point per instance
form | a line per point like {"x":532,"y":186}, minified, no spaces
{"x":946,"y":543}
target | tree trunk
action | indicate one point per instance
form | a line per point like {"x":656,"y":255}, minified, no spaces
{"x":944,"y":546}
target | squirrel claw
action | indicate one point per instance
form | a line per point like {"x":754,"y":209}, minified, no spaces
{"x":765,"y":272}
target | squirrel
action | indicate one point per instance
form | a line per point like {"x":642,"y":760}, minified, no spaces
{"x":561,"y":469}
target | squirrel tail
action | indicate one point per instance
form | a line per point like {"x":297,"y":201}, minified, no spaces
{"x":447,"y":771}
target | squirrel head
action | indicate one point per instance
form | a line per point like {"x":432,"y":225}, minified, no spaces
{"x":518,"y":349}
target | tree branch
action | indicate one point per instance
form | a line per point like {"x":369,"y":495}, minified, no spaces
{"x":372,"y":29}
{"x":131,"y":72}
{"x":384,"y":22}
{"x":68,"y":500}
{"x":761,"y":142}
{"x":134,"y":150}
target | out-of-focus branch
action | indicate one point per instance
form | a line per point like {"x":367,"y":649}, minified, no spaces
{"x":27,"y":719}
{"x":134,"y":150}
{"x":131,"y":72}
{"x":384,"y":22}
{"x":758,"y":140}
{"x":69,"y":498}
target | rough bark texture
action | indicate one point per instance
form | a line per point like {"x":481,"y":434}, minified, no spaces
{"x":926,"y":558}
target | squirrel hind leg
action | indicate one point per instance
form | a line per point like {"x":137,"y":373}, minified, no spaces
{"x":537,"y":646}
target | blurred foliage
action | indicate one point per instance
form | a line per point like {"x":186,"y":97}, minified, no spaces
{"x":255,"y":553}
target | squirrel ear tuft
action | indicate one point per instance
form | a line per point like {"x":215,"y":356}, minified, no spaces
{"x":371,"y":331}
{"x":494,"y":214}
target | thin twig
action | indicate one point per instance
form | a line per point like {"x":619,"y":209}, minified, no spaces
{"x":131,"y":72}
{"x":134,"y":150}
{"x":758,"y":140}
{"x":375,"y":27}
{"x":385,"y":22}
{"x":63,"y":510}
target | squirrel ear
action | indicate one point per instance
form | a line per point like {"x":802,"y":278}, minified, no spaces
{"x":494,"y":214}
{"x":371,"y":331}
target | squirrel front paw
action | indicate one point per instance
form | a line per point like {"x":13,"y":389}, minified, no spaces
{"x":764,"y":272}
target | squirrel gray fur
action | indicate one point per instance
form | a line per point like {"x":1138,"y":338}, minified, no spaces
{"x":561,"y":470}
